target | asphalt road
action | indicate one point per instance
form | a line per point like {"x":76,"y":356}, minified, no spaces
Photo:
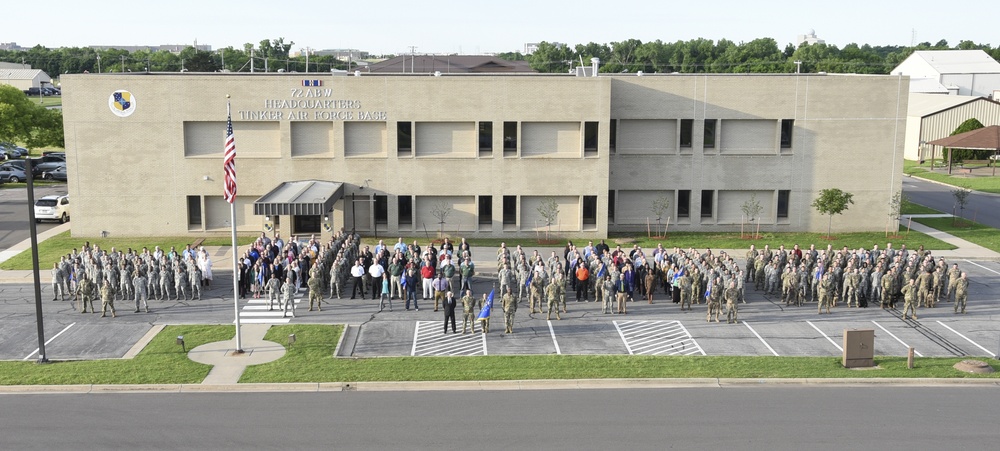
{"x":984,"y":208}
{"x":772,"y":418}
{"x":14,"y":213}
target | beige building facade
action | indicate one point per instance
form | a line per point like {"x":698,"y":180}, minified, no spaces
{"x":493,"y":151}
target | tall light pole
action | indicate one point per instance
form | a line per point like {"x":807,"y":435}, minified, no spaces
{"x":33,"y":233}
{"x":98,"y":63}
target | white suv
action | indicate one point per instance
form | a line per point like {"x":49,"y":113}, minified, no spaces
{"x":52,"y":207}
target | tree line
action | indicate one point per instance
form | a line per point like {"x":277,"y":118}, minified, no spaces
{"x":270,"y":54}
{"x":700,"y":55}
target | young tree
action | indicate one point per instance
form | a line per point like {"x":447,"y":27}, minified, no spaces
{"x":895,"y":205}
{"x":659,"y":207}
{"x":751,"y":209}
{"x":440,"y":211}
{"x":549,"y":210}
{"x":832,"y":201}
{"x":961,"y":199}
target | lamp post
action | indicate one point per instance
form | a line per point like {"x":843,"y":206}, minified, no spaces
{"x":98,"y":63}
{"x":33,"y":233}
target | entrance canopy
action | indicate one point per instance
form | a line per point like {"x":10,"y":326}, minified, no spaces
{"x":300,"y":198}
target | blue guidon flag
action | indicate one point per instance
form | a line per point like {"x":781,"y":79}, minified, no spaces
{"x":312,"y":83}
{"x":484,"y":314}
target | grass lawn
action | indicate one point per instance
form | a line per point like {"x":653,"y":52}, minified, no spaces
{"x":161,"y":362}
{"x":47,"y":101}
{"x":718,"y":240}
{"x":910,"y":208}
{"x":51,"y":249}
{"x":36,"y":182}
{"x":985,"y":184}
{"x":973,"y":232}
{"x":310,"y":360}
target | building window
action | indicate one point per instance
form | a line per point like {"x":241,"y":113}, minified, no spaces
{"x":710,"y":133}
{"x":590,"y":136}
{"x":611,"y":205}
{"x":404,"y":208}
{"x":786,"y":133}
{"x":509,"y":139}
{"x":194,"y":210}
{"x":783,"y":202}
{"x":485,"y":139}
{"x":306,"y":223}
{"x":706,"y":202}
{"x":509,"y":210}
{"x":683,"y":203}
{"x":590,"y":211}
{"x":485,"y":210}
{"x":613,"y":136}
{"x":381,"y":210}
{"x":404,"y":138}
{"x":687,"y":131}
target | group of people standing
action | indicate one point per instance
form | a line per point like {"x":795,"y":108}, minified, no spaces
{"x":857,"y":277}
{"x":92,"y":272}
{"x":616,"y":277}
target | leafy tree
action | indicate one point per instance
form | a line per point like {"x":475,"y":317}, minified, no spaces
{"x":659,"y":207}
{"x":550,"y":58}
{"x":961,"y":199}
{"x":549,"y":210}
{"x":832,"y":201}
{"x":752,"y":209}
{"x":21,"y":120}
{"x":895,"y":207}
{"x":965,"y":154}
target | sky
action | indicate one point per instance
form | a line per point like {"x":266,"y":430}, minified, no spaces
{"x":473,"y":27}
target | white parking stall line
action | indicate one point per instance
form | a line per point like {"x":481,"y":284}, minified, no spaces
{"x":50,"y":340}
{"x":702,"y":351}
{"x":981,"y":266}
{"x":620,"y":334}
{"x":416,"y":336}
{"x":657,"y":337}
{"x":987,"y":351}
{"x":769,"y":348}
{"x":554,"y":341}
{"x":427,"y":343}
{"x":684,"y":349}
{"x":897,"y":339}
{"x":834,"y":343}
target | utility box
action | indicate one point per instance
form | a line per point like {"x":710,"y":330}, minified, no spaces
{"x":859,"y":348}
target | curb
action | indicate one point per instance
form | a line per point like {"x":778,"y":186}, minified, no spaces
{"x":516,"y":385}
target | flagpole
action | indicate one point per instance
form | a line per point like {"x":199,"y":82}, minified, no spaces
{"x":236,"y":265}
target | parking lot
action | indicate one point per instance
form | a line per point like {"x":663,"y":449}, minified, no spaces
{"x":766,"y":327}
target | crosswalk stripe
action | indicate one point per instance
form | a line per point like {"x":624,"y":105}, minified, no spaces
{"x":657,"y":337}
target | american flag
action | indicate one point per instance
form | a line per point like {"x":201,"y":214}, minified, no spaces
{"x":229,"y":162}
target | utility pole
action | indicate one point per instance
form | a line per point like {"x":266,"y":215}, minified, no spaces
{"x":413,"y":52}
{"x":123,"y":63}
{"x":798,"y":66}
{"x":307,"y":49}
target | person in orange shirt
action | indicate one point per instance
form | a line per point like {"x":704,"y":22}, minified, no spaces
{"x":582,"y":279}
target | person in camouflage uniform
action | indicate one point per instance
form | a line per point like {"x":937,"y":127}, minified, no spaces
{"x":715,"y":294}
{"x":961,"y":292}
{"x":468,"y":312}
{"x":107,"y":299}
{"x":552,"y":294}
{"x":316,"y":292}
{"x":732,"y":296}
{"x":509,"y":308}
{"x":911,"y":298}
{"x":85,"y":292}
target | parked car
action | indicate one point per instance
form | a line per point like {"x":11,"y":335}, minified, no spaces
{"x":10,"y":173}
{"x":52,"y":207}
{"x":13,"y":151}
{"x":50,"y":91}
{"x":59,"y":173}
{"x":45,"y":164}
